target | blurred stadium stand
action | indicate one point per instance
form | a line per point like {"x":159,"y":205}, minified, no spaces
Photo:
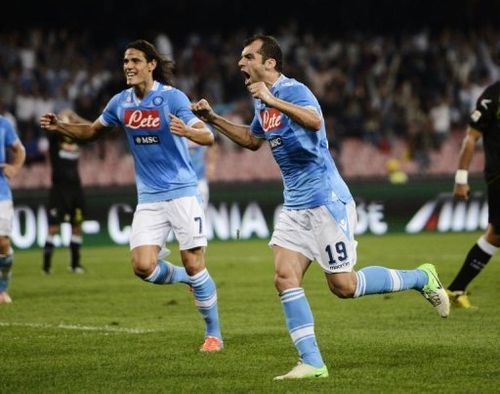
{"x":385,"y":95}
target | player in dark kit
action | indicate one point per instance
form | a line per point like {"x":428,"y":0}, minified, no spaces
{"x":66,"y":198}
{"x":484,"y":122}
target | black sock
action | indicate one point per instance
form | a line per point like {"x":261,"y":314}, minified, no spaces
{"x":48,"y":249}
{"x":75,"y":254}
{"x":473,"y":264}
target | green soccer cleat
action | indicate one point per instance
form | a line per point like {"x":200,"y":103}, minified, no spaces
{"x":304,"y":371}
{"x":434,"y":292}
{"x":459,"y":299}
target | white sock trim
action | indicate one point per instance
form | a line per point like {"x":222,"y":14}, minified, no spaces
{"x":486,"y":247}
{"x":360,"y":285}
{"x":292,"y":294}
{"x":206,"y":304}
{"x":396,"y":280}
{"x":302,"y":333}
{"x":198,"y":275}
{"x":154,"y":274}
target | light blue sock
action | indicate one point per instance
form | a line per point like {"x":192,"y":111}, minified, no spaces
{"x":378,"y":280}
{"x":300,"y":323}
{"x":166,"y":273}
{"x":205,"y":298}
{"x":5,"y":271}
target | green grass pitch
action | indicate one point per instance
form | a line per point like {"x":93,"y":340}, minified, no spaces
{"x":108,"y":332}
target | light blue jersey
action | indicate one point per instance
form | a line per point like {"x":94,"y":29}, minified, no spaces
{"x":162,"y":163}
{"x":8,"y":137}
{"x":197,"y":153}
{"x":309,"y":174}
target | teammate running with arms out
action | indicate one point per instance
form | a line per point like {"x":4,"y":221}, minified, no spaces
{"x":66,"y":197}
{"x":319,"y":214}
{"x":12,"y":156}
{"x":158,"y":122}
{"x":484,"y":122}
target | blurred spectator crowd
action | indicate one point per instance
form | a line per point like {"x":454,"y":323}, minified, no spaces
{"x":405,"y":97}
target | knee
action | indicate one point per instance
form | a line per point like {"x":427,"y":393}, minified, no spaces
{"x":344,"y":292}
{"x":345,"y":289}
{"x":284,"y":281}
{"x":143,"y":267}
{"x":193,"y":260}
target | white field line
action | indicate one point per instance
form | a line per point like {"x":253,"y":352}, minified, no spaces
{"x":79,"y":327}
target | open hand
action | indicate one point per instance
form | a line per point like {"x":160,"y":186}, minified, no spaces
{"x":178,"y":127}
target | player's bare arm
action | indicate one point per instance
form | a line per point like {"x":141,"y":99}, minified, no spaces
{"x":306,"y":117}
{"x":198,"y":132}
{"x":79,"y":130}
{"x":461,"y":188}
{"x":240,"y":134}
{"x":18,"y":155}
{"x":69,"y":115}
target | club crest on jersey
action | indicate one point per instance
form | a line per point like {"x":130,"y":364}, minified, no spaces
{"x":271,"y":119}
{"x":142,"y":119}
{"x":158,"y":100}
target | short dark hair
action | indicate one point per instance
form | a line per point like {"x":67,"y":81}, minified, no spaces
{"x":270,"y":49}
{"x":164,"y":71}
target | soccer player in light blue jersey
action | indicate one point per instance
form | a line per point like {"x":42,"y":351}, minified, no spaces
{"x":158,"y":123}
{"x":12,"y":156}
{"x":319,"y":214}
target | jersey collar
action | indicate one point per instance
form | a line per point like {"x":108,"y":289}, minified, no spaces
{"x":137,"y":101}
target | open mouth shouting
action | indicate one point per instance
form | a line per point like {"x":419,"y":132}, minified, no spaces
{"x":247,"y":78}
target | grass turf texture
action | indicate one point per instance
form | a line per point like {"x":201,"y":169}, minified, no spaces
{"x":107,"y":331}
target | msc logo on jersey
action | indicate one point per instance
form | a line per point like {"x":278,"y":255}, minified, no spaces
{"x":270,"y":119}
{"x":146,"y":139}
{"x":142,"y":119}
{"x":275,"y":142}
